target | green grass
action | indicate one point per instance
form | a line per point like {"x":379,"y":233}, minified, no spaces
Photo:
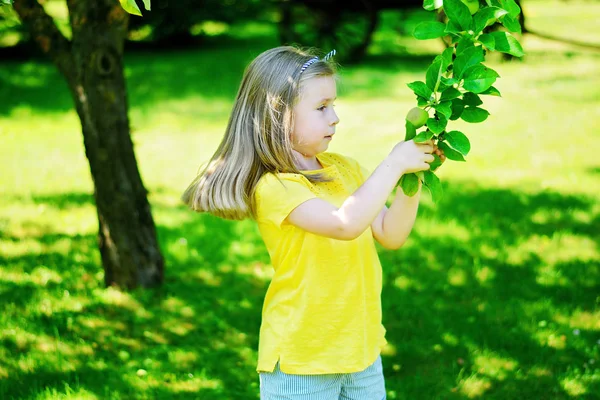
{"x":496,"y":295}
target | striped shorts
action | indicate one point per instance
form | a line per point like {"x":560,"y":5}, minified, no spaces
{"x":364,"y":385}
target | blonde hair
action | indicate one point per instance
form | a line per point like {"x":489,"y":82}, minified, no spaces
{"x":258,"y":135}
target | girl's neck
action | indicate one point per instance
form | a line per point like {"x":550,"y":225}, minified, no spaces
{"x":306,"y":163}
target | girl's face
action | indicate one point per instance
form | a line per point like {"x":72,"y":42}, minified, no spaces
{"x":314,"y":116}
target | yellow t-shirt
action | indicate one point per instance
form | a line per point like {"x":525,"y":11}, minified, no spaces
{"x":322,"y":310}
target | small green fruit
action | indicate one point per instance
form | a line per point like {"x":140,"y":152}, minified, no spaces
{"x":417,"y":116}
{"x":472,"y":4}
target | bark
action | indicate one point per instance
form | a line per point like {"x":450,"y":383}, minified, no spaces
{"x":92,"y":64}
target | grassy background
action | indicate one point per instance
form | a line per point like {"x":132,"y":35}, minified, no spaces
{"x":496,"y":295}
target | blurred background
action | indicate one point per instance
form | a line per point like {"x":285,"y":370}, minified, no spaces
{"x":496,"y":294}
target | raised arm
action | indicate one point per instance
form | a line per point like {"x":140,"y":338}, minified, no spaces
{"x":362,"y":207}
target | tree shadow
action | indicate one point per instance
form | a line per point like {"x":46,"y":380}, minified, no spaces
{"x":467,"y":297}
{"x":462,"y":303}
{"x":199,"y":330}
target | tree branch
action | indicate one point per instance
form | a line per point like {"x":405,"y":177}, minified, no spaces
{"x":44,"y":31}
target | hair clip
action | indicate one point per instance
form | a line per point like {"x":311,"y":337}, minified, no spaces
{"x":312,"y":60}
{"x":329,"y":55}
{"x":308,"y":63}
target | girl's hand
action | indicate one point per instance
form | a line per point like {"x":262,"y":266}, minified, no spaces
{"x":439,"y":152}
{"x":410,"y":157}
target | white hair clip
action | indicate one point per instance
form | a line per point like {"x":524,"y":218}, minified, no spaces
{"x":312,"y":60}
{"x":329,"y":55}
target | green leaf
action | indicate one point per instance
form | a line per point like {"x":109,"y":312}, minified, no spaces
{"x":429,"y":30}
{"x":450,"y":153}
{"x":506,"y":43}
{"x":487,"y":16}
{"x":409,"y":184}
{"x":512,"y":24}
{"x":453,"y":28}
{"x":479,"y":78}
{"x":438,"y":125}
{"x":432,"y":182}
{"x":447,"y":56}
{"x":474,"y":114}
{"x":445,"y":107}
{"x":459,"y":141}
{"x":435,"y":164}
{"x":468,"y":58}
{"x":458,"y":12}
{"x":422,"y":101}
{"x":442,"y":86}
{"x":457,"y":108}
{"x":488,"y":41}
{"x":130,"y":7}
{"x":512,"y":7}
{"x":492,"y":91}
{"x":441,"y":59}
{"x":464,"y":43}
{"x":471,"y":99}
{"x":434,"y":73}
{"x":450,"y":93}
{"x":423,"y":136}
{"x":420,"y":89}
{"x":449,"y":81}
{"x":411,"y":131}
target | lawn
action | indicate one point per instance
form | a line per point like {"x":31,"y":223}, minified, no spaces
{"x":496,"y":295}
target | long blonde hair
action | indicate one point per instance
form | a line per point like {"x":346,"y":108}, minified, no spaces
{"x":258,"y":135}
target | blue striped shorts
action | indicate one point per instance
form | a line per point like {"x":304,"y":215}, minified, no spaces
{"x":364,"y":385}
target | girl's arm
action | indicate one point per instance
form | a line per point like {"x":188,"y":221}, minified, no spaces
{"x":392,"y":226}
{"x":359,"y":210}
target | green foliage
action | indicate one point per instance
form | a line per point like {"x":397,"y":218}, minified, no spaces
{"x":456,"y":77}
{"x":487,"y":17}
{"x":429,"y":30}
{"x":411,"y":131}
{"x":410,"y":184}
{"x":507,"y":43}
{"x":492,"y":298}
{"x":458,"y":13}
{"x":421,"y":89}
{"x":458,"y":141}
{"x":131,"y":7}
{"x":479,"y":78}
{"x":438,"y":124}
{"x":470,"y":57}
{"x":474,"y":114}
{"x":432,"y":182}
{"x":450,"y":93}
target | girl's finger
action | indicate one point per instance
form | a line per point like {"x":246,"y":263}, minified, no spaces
{"x":427,"y":148}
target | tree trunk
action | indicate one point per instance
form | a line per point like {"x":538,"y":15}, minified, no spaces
{"x":92,"y":63}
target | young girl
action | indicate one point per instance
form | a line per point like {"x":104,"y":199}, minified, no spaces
{"x":318,"y":213}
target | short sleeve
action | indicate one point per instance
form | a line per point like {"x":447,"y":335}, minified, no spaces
{"x":361,"y":172}
{"x":277,"y":196}
{"x":365,"y":173}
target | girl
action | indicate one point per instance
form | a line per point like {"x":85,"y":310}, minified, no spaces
{"x":318,"y":213}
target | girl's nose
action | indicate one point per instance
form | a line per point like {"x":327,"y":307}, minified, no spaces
{"x":336,"y":119}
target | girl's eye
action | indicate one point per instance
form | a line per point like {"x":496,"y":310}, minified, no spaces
{"x":321,"y":108}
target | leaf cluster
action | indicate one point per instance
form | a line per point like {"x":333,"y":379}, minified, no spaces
{"x":457,"y":79}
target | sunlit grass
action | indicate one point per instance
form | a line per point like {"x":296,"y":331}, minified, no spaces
{"x":494,"y":296}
